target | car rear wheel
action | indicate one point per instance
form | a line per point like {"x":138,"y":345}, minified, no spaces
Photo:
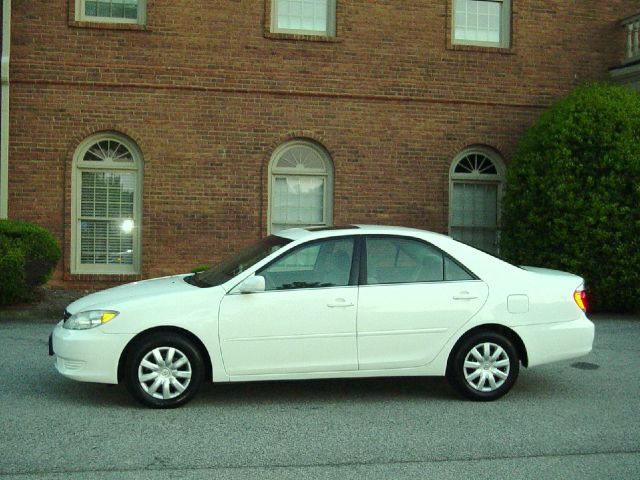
{"x":163,"y":371}
{"x":484,"y":366}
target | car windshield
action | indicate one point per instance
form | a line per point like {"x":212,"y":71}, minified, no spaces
{"x":232,"y":266}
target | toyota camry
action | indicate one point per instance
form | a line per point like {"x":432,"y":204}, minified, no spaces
{"x":341,"y":302}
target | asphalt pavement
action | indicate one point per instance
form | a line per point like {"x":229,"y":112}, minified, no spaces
{"x":577,"y":419}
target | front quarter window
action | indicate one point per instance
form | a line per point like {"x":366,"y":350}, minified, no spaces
{"x":232,"y":266}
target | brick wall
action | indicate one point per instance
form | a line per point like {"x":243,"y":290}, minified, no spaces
{"x":208,"y":96}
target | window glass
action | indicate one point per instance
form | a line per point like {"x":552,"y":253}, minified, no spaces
{"x":305,"y":16}
{"x":474,"y":217}
{"x":112,"y":10}
{"x":319,"y":264}
{"x":106,"y":233}
{"x":401,"y":260}
{"x":301,"y":185}
{"x":476,"y":183}
{"x":481,"y":22}
{"x":297,"y":201}
{"x":454,"y":272}
{"x":106,"y":217}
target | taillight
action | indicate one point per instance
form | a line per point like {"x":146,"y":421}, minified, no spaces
{"x":580,"y":296}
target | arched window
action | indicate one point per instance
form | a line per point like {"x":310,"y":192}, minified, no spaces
{"x":300,"y":186}
{"x":475,"y":188}
{"x":106,"y":205}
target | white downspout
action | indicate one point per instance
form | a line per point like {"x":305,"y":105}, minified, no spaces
{"x":4,"y":113}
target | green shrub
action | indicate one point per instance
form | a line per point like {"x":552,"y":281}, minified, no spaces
{"x":28,"y":254}
{"x":200,"y":268}
{"x":573,"y":194}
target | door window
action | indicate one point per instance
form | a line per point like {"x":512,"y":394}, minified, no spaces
{"x":316,"y":265}
{"x":401,"y":260}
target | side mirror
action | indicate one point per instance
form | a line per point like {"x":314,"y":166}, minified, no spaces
{"x":252,"y":285}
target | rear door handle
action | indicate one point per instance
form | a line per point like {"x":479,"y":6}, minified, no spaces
{"x":464,"y":296}
{"x":339,"y":303}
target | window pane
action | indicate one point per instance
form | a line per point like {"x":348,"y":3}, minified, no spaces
{"x":111,"y":8}
{"x":107,"y":220}
{"x":105,"y":242}
{"x":321,"y":264}
{"x":298,"y":200}
{"x":307,"y":15}
{"x":481,"y":238}
{"x":300,"y":158}
{"x":399,"y":260}
{"x":107,"y":194}
{"x":91,"y":8}
{"x":474,"y":216}
{"x":477,"y":21}
{"x":117,"y":10}
{"x":104,"y":9}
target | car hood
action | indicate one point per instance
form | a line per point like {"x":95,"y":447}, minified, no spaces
{"x":146,"y":289}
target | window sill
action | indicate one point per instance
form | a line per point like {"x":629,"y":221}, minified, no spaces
{"x":482,"y":49}
{"x":109,"y":25}
{"x":102,"y":277}
{"x":303,"y":37}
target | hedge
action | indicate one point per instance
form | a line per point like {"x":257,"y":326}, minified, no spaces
{"x":28,"y":255}
{"x":572,"y":200}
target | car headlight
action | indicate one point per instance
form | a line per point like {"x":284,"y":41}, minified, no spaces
{"x":89,"y":319}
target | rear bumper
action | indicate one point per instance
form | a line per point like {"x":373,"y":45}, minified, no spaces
{"x":88,"y":355}
{"x":553,"y":342}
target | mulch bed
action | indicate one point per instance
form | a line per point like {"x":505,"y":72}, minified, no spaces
{"x":46,"y":307}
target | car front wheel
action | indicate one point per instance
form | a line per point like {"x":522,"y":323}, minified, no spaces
{"x":163,"y":371}
{"x":484,"y":366}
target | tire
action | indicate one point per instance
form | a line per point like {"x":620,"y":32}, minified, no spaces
{"x":484,"y":366}
{"x":163,"y":371}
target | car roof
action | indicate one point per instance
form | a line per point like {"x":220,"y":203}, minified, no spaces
{"x":360,"y":229}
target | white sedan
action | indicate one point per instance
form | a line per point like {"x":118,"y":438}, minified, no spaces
{"x":356,"y":301}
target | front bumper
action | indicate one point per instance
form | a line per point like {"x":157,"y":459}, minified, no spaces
{"x":553,"y":342}
{"x":87,"y":355}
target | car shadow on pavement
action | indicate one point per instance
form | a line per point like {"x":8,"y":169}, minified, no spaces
{"x":530,"y":386}
{"x":327,"y":391}
{"x":303,"y":392}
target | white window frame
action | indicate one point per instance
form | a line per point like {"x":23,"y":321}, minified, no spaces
{"x":327,"y":174}
{"x":478,"y":178}
{"x":331,"y":22}
{"x":505,"y":27}
{"x":141,"y":20}
{"x":79,"y":166}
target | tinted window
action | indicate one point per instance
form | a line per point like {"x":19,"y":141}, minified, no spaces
{"x":319,"y":264}
{"x":454,"y":272}
{"x":401,"y":260}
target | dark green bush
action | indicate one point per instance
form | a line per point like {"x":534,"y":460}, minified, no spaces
{"x":28,"y":254}
{"x":573,"y":194}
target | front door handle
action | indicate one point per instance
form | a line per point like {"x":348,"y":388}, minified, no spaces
{"x":339,"y":303}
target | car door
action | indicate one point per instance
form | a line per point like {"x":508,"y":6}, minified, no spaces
{"x":305,"y":320}
{"x":413,"y":298}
